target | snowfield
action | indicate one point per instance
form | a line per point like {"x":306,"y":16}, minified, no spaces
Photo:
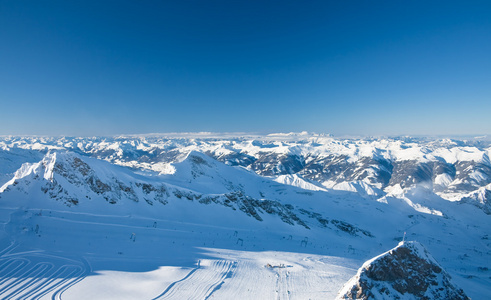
{"x":101,"y":257}
{"x":201,"y":216}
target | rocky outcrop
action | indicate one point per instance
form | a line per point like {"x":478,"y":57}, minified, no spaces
{"x":73,"y":180}
{"x":406,"y":272}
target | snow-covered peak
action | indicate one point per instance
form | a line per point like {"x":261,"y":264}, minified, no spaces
{"x":323,"y":199}
{"x":44,"y":168}
{"x":407,"y":271}
{"x":295,"y":180}
{"x":451,"y":168}
{"x":480,"y":198}
{"x":69,"y":178}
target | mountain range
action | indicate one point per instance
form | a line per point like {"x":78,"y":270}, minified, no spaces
{"x":296,"y":213}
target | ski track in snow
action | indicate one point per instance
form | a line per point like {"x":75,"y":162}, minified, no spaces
{"x":26,"y":276}
{"x":251,"y":281}
{"x":201,"y":282}
{"x":282,"y":284}
{"x":457,"y":235}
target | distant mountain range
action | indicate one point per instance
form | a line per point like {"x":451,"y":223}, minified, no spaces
{"x":455,"y":170}
{"x":354,"y":196}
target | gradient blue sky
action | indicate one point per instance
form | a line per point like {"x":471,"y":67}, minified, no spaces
{"x":340,"y":67}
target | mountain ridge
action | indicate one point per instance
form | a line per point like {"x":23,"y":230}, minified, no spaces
{"x":407,"y":271}
{"x":225,"y":184}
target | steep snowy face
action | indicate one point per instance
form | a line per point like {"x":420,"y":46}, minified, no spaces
{"x":43,"y":169}
{"x":70,"y":178}
{"x":406,"y":272}
{"x":11,"y":159}
{"x":89,"y":184}
{"x":295,"y":180}
{"x":480,"y":198}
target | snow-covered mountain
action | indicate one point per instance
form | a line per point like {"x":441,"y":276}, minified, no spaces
{"x":450,"y":168}
{"x":90,"y":185}
{"x":406,"y":272}
{"x":312,"y":207}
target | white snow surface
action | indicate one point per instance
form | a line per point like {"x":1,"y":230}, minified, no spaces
{"x":295,"y":180}
{"x":182,"y":228}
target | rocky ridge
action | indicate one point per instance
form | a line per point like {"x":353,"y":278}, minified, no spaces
{"x":452,"y":169}
{"x":406,"y":272}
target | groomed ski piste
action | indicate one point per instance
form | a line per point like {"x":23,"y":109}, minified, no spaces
{"x":62,"y":255}
{"x":191,"y":235}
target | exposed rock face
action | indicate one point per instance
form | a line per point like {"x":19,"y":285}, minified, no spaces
{"x":406,"y":272}
{"x":338,"y":168}
{"x":73,"y":180}
{"x":269,"y":164}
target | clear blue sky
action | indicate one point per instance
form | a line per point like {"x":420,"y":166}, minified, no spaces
{"x":341,"y":67}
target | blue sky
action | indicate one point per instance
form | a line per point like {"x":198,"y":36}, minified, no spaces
{"x":340,"y":67}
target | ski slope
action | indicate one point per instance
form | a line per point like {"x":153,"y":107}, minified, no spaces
{"x":73,"y":226}
{"x":75,"y":256}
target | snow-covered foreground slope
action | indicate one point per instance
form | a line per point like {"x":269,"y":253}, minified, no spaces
{"x":78,"y":227}
{"x":81,"y":256}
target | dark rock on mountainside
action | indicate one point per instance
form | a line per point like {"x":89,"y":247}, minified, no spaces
{"x":406,"y":272}
{"x":480,"y":198}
